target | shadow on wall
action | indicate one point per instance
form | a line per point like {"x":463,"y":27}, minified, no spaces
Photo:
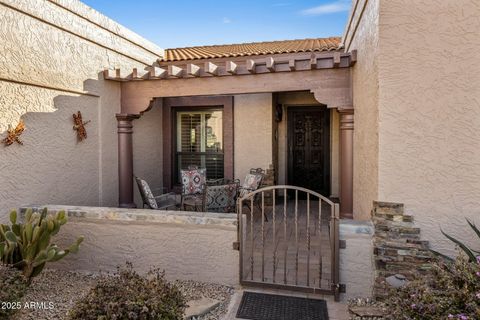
{"x":53,"y":166}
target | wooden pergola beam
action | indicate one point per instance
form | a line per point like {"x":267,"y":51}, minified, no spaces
{"x":193,"y":70}
{"x":175,"y":71}
{"x":313,"y":61}
{"x":231,"y":67}
{"x":115,"y":75}
{"x":353,"y":57}
{"x":139,"y":74}
{"x":249,"y":66}
{"x":157,"y":73}
{"x":328,"y":85}
{"x":336,"y":59}
{"x":211,"y":68}
{"x":270,"y":64}
{"x":291,"y":64}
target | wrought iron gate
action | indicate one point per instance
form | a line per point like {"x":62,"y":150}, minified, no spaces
{"x":288,"y":239}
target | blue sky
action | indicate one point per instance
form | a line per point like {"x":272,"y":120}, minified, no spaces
{"x":183,"y":23}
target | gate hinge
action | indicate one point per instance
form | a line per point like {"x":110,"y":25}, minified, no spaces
{"x":236,"y":246}
{"x":342,"y":244}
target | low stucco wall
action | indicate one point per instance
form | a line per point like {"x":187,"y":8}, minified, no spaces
{"x":187,"y":245}
{"x":356,"y":260}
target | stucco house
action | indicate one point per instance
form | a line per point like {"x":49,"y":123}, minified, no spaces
{"x":386,"y":112}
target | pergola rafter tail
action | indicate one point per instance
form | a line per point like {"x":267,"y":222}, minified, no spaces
{"x":258,"y":65}
{"x":331,"y":87}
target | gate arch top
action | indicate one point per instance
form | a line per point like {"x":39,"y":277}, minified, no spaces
{"x":287,"y":187}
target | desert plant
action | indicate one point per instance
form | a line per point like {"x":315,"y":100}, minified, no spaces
{"x":452,"y":291}
{"x":128,"y":295}
{"x":471,"y":253}
{"x":12,"y":288}
{"x":27,"y":246}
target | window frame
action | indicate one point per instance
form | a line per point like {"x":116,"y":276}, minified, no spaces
{"x":168,"y":104}
{"x":177,"y":135}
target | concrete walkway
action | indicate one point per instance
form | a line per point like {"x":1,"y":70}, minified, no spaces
{"x":336,"y":310}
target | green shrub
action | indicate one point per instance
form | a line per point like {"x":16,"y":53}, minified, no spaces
{"x":127,"y":295}
{"x":452,"y":291}
{"x":27,"y":246}
{"x":12,"y":288}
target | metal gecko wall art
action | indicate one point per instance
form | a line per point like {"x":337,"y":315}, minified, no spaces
{"x":80,"y":126}
{"x":14,"y":134}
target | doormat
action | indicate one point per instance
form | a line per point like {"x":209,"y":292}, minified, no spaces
{"x":260,"y":306}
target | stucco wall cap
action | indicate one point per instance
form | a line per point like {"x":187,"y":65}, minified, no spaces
{"x":349,"y":227}
{"x":129,"y":215}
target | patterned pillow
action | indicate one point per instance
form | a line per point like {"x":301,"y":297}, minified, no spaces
{"x":148,"y":193}
{"x":252,"y":181}
{"x":221,"y":198}
{"x":193,"y":181}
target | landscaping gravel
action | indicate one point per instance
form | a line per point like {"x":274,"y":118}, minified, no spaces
{"x":196,"y":290}
{"x":60,"y":290}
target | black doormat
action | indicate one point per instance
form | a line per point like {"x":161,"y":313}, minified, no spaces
{"x":260,"y":306}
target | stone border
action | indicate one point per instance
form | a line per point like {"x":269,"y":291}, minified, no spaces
{"x":398,"y":247}
{"x":85,"y":213}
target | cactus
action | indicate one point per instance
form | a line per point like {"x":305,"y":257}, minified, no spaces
{"x":27,"y":246}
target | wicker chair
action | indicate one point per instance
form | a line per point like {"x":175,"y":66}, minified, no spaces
{"x":252,"y":181}
{"x":160,"y":202}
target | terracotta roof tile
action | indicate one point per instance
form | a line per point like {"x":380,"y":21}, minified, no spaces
{"x":254,"y":48}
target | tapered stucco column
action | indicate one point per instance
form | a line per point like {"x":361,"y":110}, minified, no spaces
{"x":346,"y":163}
{"x":125,"y":160}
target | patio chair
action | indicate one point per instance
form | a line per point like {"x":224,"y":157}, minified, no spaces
{"x":252,"y":182}
{"x":221,"y":198}
{"x":193,"y":186}
{"x":160,"y":202}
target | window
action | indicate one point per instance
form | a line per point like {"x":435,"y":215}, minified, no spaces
{"x":200,"y":142}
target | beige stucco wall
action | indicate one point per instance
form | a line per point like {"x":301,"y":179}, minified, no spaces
{"x":148,"y":155}
{"x":362,"y":35}
{"x":252,"y":132}
{"x":294,"y":99}
{"x":429,"y":113}
{"x":417,"y":108}
{"x":51,"y":55}
{"x":187,"y":245}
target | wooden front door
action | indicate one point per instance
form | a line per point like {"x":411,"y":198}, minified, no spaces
{"x":309,"y":148}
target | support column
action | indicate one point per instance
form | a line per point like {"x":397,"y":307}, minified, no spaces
{"x":125,"y":159}
{"x":346,"y":163}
